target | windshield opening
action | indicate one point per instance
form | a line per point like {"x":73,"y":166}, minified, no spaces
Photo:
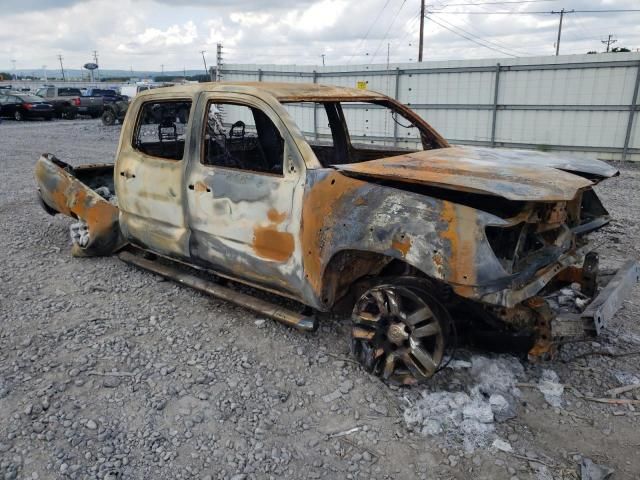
{"x":351,"y":132}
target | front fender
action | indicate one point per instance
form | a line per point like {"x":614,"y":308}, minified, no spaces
{"x":444,"y":240}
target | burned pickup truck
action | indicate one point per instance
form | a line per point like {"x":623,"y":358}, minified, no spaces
{"x":344,"y":199}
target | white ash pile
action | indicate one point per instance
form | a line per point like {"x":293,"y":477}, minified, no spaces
{"x":469,"y":416}
{"x":79,"y":233}
{"x":569,"y":298}
{"x":109,"y":196}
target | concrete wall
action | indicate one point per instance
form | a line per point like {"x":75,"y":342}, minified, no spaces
{"x":577,"y":103}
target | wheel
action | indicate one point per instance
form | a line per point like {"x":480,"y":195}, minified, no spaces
{"x":18,"y":115}
{"x":69,"y":113}
{"x":48,"y":118}
{"x":399,"y":332}
{"x":108,"y":117}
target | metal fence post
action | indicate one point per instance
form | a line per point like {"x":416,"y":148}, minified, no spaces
{"x":315,"y":108}
{"x":395,"y":96}
{"x":496,"y":86}
{"x":632,"y":112}
{"x":259,"y":74}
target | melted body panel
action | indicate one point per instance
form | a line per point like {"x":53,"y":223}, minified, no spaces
{"x":311,"y":231}
{"x":61,"y":192}
{"x":514,"y":175}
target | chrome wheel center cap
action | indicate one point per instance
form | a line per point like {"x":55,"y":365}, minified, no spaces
{"x":397,"y":333}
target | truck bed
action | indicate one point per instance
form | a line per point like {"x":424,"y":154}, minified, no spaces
{"x":81,"y":193}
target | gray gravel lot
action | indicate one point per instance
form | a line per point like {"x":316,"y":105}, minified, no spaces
{"x":109,"y":372}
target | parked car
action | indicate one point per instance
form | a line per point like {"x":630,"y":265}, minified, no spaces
{"x":132,"y":90}
{"x":20,"y":106}
{"x":115,"y":111}
{"x":421,"y":241}
{"x":65,"y":100}
{"x":108,"y":94}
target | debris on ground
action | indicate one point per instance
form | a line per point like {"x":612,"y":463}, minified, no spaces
{"x":551,"y":388}
{"x":79,"y":233}
{"x":107,"y":194}
{"x":470,"y":417}
{"x":593,"y":471}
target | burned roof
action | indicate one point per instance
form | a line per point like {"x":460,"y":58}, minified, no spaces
{"x":284,"y":92}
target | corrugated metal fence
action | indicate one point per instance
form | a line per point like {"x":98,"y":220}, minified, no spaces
{"x":577,"y":103}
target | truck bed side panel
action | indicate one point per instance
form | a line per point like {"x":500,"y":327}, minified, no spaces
{"x":62,"y":192}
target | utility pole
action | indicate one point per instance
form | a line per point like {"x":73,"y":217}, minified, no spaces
{"x":218,"y":62}
{"x":205,"y":61}
{"x":95,"y":58}
{"x":323,"y":55}
{"x":15,"y":75}
{"x":62,"y":68}
{"x":421,"y":30}
{"x":609,"y":41}
{"x":162,"y":69}
{"x":388,"y":50}
{"x":561,"y":12}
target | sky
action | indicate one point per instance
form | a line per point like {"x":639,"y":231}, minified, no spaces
{"x":156,"y":34}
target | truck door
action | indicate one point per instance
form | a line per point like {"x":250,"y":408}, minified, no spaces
{"x":244,"y":193}
{"x":149,"y":175}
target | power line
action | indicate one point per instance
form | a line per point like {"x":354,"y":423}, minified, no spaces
{"x":421,"y":40}
{"x":364,"y":39}
{"x":387,"y":32}
{"x":495,"y":3}
{"x":540,"y":12}
{"x":492,"y":42}
{"x":469,"y":38}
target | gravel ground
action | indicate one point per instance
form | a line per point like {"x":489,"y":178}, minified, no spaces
{"x":109,"y":372}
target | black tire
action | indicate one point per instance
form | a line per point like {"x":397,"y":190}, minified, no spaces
{"x":48,"y":118}
{"x":18,"y":116}
{"x":69,"y":113}
{"x":108,"y":118}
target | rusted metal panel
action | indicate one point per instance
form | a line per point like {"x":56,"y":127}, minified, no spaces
{"x":312,"y":231}
{"x":440,"y":238}
{"x":509,"y":175}
{"x":62,"y":192}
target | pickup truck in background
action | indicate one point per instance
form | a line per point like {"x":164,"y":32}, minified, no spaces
{"x":63,"y":99}
{"x":425,"y":244}
{"x":70,"y":102}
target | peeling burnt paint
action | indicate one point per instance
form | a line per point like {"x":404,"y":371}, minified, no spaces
{"x":270,"y":243}
{"x":309,"y":232}
{"x":62,"y":192}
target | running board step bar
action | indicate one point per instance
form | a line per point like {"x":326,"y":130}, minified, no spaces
{"x":282,"y":315}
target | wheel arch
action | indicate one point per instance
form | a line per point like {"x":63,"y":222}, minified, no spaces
{"x":346,"y":267}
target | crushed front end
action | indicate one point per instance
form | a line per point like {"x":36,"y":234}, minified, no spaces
{"x":554,"y":288}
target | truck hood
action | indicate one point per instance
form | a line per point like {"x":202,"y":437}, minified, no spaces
{"x":513,"y":174}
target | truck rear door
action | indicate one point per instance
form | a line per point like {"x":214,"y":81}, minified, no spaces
{"x":149,"y":175}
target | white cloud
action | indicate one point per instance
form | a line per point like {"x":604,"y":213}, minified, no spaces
{"x":146,"y":33}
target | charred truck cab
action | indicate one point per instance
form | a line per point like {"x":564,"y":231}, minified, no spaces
{"x":340,"y":197}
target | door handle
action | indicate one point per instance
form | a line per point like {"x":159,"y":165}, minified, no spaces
{"x":127,"y":174}
{"x":201,"y":187}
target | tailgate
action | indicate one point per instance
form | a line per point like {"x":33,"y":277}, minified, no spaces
{"x":70,"y":191}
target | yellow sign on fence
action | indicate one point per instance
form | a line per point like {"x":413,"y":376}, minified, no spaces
{"x":361,"y":85}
